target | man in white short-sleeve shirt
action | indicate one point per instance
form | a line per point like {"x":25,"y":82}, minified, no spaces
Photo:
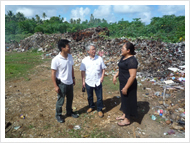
{"x":93,"y":68}
{"x":63,"y":79}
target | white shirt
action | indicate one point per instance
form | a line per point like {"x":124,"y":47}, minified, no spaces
{"x":93,"y":70}
{"x":63,"y":68}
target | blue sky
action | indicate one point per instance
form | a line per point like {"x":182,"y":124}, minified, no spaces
{"x":112,"y":12}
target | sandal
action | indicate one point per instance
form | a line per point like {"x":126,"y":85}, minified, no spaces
{"x":119,"y":118}
{"x":121,"y":124}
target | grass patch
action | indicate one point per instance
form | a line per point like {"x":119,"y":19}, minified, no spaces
{"x":30,"y":126}
{"x":47,"y":126}
{"x":19,"y":64}
{"x":96,"y":133}
{"x":108,"y":84}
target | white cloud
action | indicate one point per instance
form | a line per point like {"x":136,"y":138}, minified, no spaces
{"x":79,"y":13}
{"x":171,"y":9}
{"x":130,"y":8}
{"x":104,"y":11}
{"x":145,"y":17}
{"x":26,"y":11}
{"x":65,"y":19}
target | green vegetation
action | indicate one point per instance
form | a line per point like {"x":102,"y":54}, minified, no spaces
{"x":169,"y":28}
{"x":19,"y":64}
{"x":108,"y":84}
{"x":96,"y":133}
{"x":30,"y":126}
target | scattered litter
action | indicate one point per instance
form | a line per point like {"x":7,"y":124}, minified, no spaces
{"x":171,"y":132}
{"x":153,"y":117}
{"x":77,"y":127}
{"x":22,"y":116}
{"x":168,"y":82}
{"x":17,"y":127}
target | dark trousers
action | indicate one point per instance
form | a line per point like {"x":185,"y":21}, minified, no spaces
{"x":98,"y":91}
{"x":65,"y":90}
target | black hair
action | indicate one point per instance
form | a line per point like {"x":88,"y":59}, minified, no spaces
{"x":131,"y":47}
{"x":62,"y":43}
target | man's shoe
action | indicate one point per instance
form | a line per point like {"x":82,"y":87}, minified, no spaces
{"x":74,"y":115}
{"x":60,"y":119}
{"x":100,"y":114}
{"x":89,"y":110}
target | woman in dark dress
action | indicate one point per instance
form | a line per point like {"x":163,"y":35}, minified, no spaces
{"x":128,"y":83}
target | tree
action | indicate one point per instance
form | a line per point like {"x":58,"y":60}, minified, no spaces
{"x":37,"y":18}
{"x":91,"y":19}
{"x":71,"y":21}
{"x":78,"y":21}
{"x":10,"y":15}
{"x":20,"y":16}
{"x":44,"y":15}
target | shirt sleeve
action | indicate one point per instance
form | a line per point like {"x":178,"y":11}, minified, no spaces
{"x":133,"y":64}
{"x":72,"y":62}
{"x":102,"y":64}
{"x":53,"y":64}
{"x":82,"y":66}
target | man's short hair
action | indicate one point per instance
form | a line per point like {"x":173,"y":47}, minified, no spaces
{"x":89,"y":46}
{"x":62,"y":43}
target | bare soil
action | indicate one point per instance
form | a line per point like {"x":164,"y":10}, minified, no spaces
{"x":35,"y":98}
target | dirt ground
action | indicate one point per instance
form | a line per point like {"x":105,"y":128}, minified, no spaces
{"x":35,"y":98}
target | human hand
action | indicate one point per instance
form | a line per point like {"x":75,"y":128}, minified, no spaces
{"x":57,"y":89}
{"x":73,"y":81}
{"x":101,"y":79}
{"x":83,"y":85}
{"x":124,"y":91}
{"x":114,"y":79}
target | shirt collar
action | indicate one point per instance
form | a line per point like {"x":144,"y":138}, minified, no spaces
{"x":60,"y":56}
{"x":95,"y":57}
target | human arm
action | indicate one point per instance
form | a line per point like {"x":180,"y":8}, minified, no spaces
{"x":73,"y":75}
{"x":102,"y":77}
{"x":131,"y":79}
{"x":83,"y":78}
{"x":53,"y":77}
{"x":115,"y":77}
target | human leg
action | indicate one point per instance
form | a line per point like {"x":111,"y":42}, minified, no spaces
{"x":69,"y":95}
{"x":60,"y":99}
{"x":98,"y":91}
{"x":90,"y":96}
{"x":59,"y":103}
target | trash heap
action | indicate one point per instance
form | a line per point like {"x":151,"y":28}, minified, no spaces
{"x":154,"y":57}
{"x":169,"y":97}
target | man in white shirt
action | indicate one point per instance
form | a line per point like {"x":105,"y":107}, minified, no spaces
{"x":62,"y":74}
{"x":93,"y":68}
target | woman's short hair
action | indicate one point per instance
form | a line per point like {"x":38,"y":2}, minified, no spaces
{"x":131,"y":47}
{"x":89,"y":46}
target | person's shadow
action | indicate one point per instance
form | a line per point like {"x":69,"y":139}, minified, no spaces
{"x":110,"y":103}
{"x":142,"y":108}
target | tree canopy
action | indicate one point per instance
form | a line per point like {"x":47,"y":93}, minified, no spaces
{"x":169,"y":28}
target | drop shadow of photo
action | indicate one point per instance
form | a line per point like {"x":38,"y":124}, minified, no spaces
{"x":142,"y":108}
{"x":108,"y":104}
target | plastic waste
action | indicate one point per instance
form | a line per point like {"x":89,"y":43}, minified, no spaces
{"x":171,"y":132}
{"x":180,"y":122}
{"x":22,"y":116}
{"x":17,"y":127}
{"x":182,"y":114}
{"x":77,"y":127}
{"x":153,"y":117}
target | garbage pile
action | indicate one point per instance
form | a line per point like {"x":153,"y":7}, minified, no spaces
{"x":169,"y":94}
{"x":154,"y":57}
